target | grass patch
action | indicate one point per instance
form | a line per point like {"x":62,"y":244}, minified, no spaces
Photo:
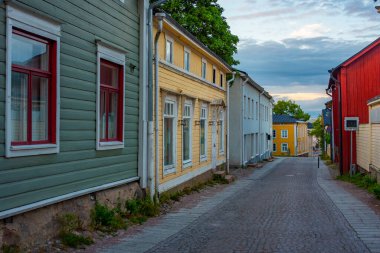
{"x":10,"y":248}
{"x":139,"y":210}
{"x":75,"y":240}
{"x":69,"y":235}
{"x":363,"y":181}
{"x":107,"y":220}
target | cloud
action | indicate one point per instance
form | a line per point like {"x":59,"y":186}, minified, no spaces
{"x":261,"y":14}
{"x":309,"y":31}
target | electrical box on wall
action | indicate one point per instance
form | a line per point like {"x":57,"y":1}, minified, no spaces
{"x":351,"y":123}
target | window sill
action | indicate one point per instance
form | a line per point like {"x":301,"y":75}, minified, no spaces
{"x":110,"y":145}
{"x":221,"y":152}
{"x":169,"y":169}
{"x":187,"y":164}
{"x":203,"y":158}
{"x":30,"y":150}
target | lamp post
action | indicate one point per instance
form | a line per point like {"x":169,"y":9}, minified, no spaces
{"x":377,"y":5}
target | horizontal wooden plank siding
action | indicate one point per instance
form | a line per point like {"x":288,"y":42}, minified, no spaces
{"x":78,"y":166}
{"x":362,"y":147}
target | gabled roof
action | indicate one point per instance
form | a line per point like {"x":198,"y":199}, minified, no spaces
{"x":283,"y":118}
{"x":254,"y":84}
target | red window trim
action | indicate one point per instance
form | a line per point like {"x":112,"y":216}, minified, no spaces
{"x":51,"y":74}
{"x":120,"y":91}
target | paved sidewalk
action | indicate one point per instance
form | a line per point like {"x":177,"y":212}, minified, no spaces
{"x":361,"y":218}
{"x":172,"y":223}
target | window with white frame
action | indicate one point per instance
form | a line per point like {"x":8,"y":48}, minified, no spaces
{"x":110,"y":98}
{"x":253,"y":109}
{"x":169,"y":133}
{"x":204,"y":68}
{"x":274,"y":147}
{"x":284,"y":133}
{"x":186,"y":132}
{"x":245,"y":107}
{"x":169,"y":50}
{"x":186,"y":57}
{"x":284,"y":147}
{"x":221,"y":132}
{"x":249,"y":108}
{"x":32,"y":84}
{"x":257,"y":110}
{"x":203,"y":132}
{"x":274,"y":134}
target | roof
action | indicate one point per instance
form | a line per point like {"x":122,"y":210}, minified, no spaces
{"x":352,"y":59}
{"x":283,"y":118}
{"x":254,"y":84}
{"x":193,"y":38}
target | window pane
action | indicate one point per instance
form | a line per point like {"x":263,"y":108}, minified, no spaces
{"x":109,"y":75}
{"x":103,"y":115}
{"x":169,"y":51}
{"x":168,"y":141}
{"x":40,"y":108}
{"x":186,"y":139}
{"x":203,"y":137}
{"x":187,"y":61}
{"x":19,"y":106}
{"x":112,"y":116}
{"x":29,"y":53}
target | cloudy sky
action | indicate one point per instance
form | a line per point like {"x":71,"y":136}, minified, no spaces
{"x":287,"y":46}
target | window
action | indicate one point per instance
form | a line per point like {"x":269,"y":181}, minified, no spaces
{"x":253,"y":109}
{"x":221,"y":79}
{"x":204,"y":69}
{"x":274,"y":134}
{"x":110,"y":98}
{"x":274,"y":147}
{"x":221,"y":132}
{"x":169,"y":135}
{"x":214,"y":75}
{"x":249,"y":108}
{"x":245,"y":107}
{"x":203,"y":133}
{"x":284,"y":133}
{"x":257,"y":110}
{"x":186,"y":133}
{"x":187,"y":60}
{"x":169,"y":50}
{"x":32,"y":85}
{"x":284,"y":147}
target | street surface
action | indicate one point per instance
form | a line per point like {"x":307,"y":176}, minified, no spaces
{"x":287,"y":206}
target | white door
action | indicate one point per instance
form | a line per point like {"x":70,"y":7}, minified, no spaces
{"x":213,"y":139}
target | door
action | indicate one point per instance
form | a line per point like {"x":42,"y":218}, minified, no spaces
{"x":213,"y":139}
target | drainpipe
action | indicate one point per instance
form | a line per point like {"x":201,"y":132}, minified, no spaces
{"x":160,"y":17}
{"x":261,"y":141}
{"x":242,"y":121}
{"x":337,"y":85}
{"x":228,"y":122}
{"x":150,"y":96}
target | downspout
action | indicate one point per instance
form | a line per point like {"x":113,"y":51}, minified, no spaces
{"x":261,"y":140}
{"x":160,"y":17}
{"x":338,"y":84}
{"x":228,"y":121}
{"x":150,"y":97}
{"x":242,"y":120}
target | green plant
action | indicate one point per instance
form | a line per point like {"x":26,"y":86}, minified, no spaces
{"x":138,"y":210}
{"x":376,"y":191}
{"x":75,"y":240}
{"x":70,"y":224}
{"x":106,"y":219}
{"x":363,"y":181}
{"x":10,"y":248}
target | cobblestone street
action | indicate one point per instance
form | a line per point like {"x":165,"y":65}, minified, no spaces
{"x":288,"y":206}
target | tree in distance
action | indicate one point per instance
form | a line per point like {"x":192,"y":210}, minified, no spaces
{"x":289,"y":107}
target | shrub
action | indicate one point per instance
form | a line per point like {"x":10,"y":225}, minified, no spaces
{"x":106,"y":219}
{"x":138,"y":210}
{"x":376,"y":191}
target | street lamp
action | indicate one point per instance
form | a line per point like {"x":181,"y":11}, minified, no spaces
{"x":377,"y":5}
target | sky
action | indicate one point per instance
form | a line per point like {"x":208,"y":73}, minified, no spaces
{"x":287,"y":46}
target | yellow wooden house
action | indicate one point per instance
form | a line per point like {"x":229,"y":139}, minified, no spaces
{"x":191,"y":107}
{"x":290,"y":136}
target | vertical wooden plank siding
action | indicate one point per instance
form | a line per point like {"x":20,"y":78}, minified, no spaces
{"x":375,"y":138}
{"x":78,"y":166}
{"x":362,"y":147}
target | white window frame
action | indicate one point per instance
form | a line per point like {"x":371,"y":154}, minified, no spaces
{"x":47,"y":28}
{"x":274,"y":148}
{"x":188,"y":51}
{"x":205,"y":118}
{"x":221,"y":128}
{"x":188,"y":103}
{"x":282,"y":147}
{"x":116,"y":56}
{"x":171,"y":56}
{"x":169,"y":169}
{"x":204,"y":69}
{"x":284,"y":134}
{"x":249,"y":108}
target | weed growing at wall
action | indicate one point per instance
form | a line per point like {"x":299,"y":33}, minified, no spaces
{"x":106,"y":219}
{"x":363,"y":181}
{"x":70,"y":227}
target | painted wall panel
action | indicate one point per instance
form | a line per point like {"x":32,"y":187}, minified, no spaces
{"x":362,"y":147}
{"x":376,"y":145}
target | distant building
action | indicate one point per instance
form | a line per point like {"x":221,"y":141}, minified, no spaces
{"x":250,"y":121}
{"x":290,"y":136}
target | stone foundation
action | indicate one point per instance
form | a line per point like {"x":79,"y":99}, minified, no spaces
{"x":34,"y":228}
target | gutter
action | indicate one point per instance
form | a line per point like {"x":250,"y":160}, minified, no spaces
{"x":228,"y":122}
{"x":242,"y":120}
{"x":261,"y":140}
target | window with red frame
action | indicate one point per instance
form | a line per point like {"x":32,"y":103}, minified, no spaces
{"x":111,"y":101}
{"x":33,"y":89}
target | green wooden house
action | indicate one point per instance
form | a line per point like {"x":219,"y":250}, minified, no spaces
{"x":70,"y":96}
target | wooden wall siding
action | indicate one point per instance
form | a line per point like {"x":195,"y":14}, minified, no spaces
{"x":375,"y":145}
{"x":78,"y":166}
{"x":193,"y":89}
{"x":278,"y":140}
{"x":362,"y":147}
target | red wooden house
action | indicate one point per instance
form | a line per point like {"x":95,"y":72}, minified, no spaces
{"x":351,"y":85}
